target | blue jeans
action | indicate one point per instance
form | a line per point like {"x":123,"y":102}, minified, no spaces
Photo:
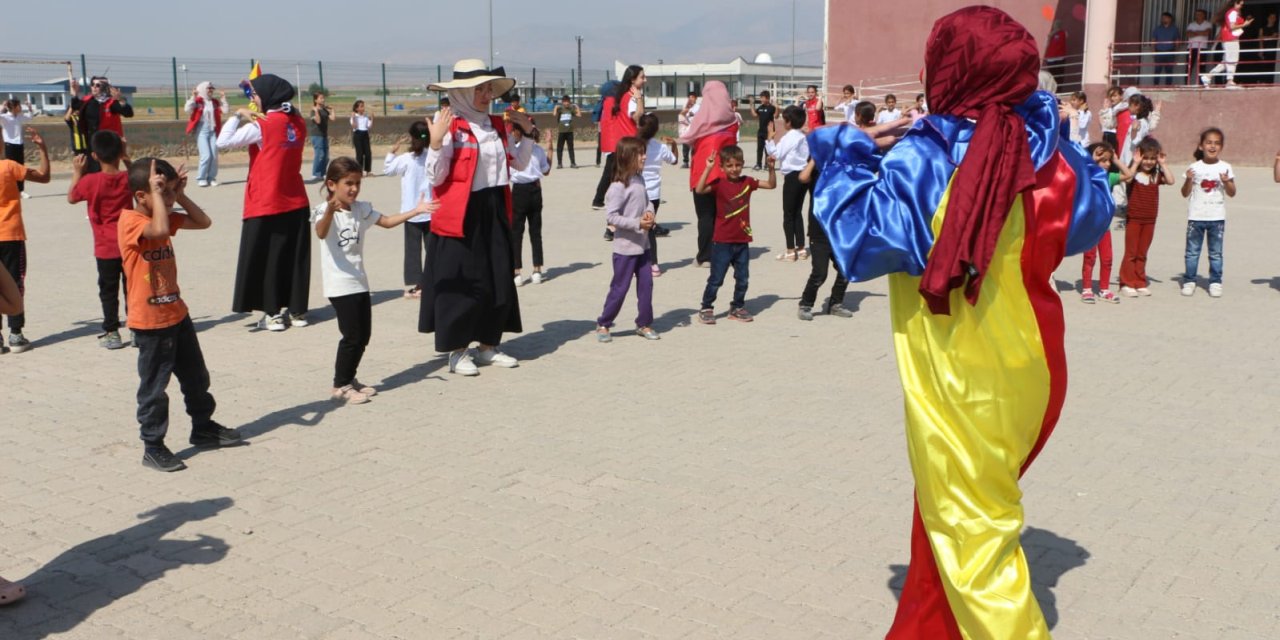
{"x":1196,"y":232}
{"x":205,"y":138}
{"x":321,"y":163}
{"x":724,"y":254}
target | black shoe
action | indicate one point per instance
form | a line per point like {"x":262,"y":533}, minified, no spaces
{"x":661,"y":231}
{"x":559,"y":166}
{"x":573,"y":166}
{"x":608,"y":236}
{"x":162,"y":459}
{"x":755,"y":168}
{"x":684,"y":165}
{"x":215,"y":435}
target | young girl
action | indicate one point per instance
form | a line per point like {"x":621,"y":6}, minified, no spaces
{"x":1149,"y":172}
{"x":1107,"y":117}
{"x":1140,"y":108}
{"x":791,"y":153}
{"x":13,"y":119}
{"x":864,"y":116}
{"x":656,"y":153}
{"x":849,"y":100}
{"x":1104,"y":155}
{"x":1078,"y":112}
{"x":1208,"y":184}
{"x":341,"y":223}
{"x":411,"y":167}
{"x":526,"y":202}
{"x":360,"y":125}
{"x":627,"y":210}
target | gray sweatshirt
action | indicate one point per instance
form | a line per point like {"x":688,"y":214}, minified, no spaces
{"x":624,"y":205}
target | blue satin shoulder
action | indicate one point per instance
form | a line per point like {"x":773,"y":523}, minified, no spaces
{"x":1093,"y":207}
{"x":877,"y":210}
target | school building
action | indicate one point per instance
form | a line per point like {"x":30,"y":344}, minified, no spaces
{"x":1108,"y":42}
{"x":669,"y":84}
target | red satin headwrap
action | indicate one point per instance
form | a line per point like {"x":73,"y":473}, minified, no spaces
{"x":980,"y":63}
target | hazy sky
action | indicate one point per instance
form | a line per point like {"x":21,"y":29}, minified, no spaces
{"x":526,"y":32}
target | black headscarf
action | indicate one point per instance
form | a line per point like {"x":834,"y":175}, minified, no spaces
{"x":273,"y":90}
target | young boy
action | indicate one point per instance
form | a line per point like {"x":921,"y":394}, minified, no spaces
{"x":13,"y":235}
{"x":107,"y":193}
{"x":890,"y":111}
{"x":732,"y":235}
{"x":820,"y":250}
{"x":162,"y":329}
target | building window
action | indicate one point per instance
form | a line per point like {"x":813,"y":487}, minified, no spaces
{"x":53,"y":99}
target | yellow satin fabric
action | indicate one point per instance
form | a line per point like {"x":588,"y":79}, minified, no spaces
{"x":976,"y":387}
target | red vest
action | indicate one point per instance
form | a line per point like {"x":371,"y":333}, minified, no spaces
{"x":275,"y":167}
{"x":110,"y":121}
{"x":1123,"y":120}
{"x":455,"y":191}
{"x":615,"y":127}
{"x":194,"y":120}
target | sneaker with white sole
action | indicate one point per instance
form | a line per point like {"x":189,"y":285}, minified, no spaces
{"x":1204,"y":80}
{"x":161,"y":458}
{"x":537,"y":277}
{"x":1144,"y":292}
{"x":26,"y":196}
{"x":272,"y":323}
{"x":460,"y":362}
{"x":495,"y":358}
{"x":1129,"y":292}
{"x":202,"y":183}
{"x":110,"y":340}
{"x":347,"y":395}
{"x":519,"y":280}
{"x":213,"y":183}
{"x":1188,"y":289}
{"x":18,"y":343}
{"x":1215,"y":290}
{"x":298,"y":320}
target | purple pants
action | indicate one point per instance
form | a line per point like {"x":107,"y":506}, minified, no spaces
{"x":624,"y":267}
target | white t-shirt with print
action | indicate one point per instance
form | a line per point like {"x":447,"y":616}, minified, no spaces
{"x":1208,"y":200}
{"x":655,"y":155}
{"x":342,"y":250}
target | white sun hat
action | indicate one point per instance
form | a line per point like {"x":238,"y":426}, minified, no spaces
{"x":472,"y":72}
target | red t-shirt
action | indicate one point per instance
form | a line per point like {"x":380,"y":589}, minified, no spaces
{"x":813,"y":112}
{"x":1231,"y":18}
{"x":107,"y":194}
{"x":151,"y":273}
{"x":733,"y":209}
{"x":1057,"y":47}
{"x":708,"y":145}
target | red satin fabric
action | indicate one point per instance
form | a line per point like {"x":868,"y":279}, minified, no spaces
{"x":979,"y":63}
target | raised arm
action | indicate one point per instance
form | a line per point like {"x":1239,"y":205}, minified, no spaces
{"x":41,"y":175}
{"x":234,"y":136}
{"x":196,"y":217}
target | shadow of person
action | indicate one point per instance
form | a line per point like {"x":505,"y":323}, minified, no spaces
{"x":556,"y":272}
{"x":308,"y":414}
{"x":100,"y":572}
{"x":1274,"y":283}
{"x":82,"y":329}
{"x":853,"y":299}
{"x":415,"y":373}
{"x":554,"y":334}
{"x":673,"y":318}
{"x":1048,"y":555}
{"x":761,"y":304}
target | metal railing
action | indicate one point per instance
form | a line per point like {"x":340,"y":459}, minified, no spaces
{"x":1139,"y":64}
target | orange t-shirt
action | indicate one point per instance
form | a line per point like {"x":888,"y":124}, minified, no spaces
{"x":11,"y":201}
{"x":151,"y":271}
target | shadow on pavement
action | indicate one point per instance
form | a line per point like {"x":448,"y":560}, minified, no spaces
{"x":556,"y":272}
{"x":104,"y":571}
{"x":1274,"y":283}
{"x":304,"y":415}
{"x":416,"y":373}
{"x":82,"y":329}
{"x":1049,"y":555}
{"x":535,"y":344}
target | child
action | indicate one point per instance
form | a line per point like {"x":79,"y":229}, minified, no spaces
{"x":1149,"y":173}
{"x":890,"y":111}
{"x":564,"y":113}
{"x":1104,"y":156}
{"x":920,"y":109}
{"x":526,"y":203}
{"x":732,"y":236}
{"x":360,"y":125}
{"x":1140,"y":108}
{"x":411,"y":167}
{"x":766,"y":111}
{"x":158,"y":318}
{"x":849,"y":100}
{"x":656,"y":153}
{"x":12,"y":120}
{"x":790,"y":154}
{"x":318,"y":124}
{"x":107,"y":193}
{"x":822,"y":255}
{"x":13,"y":235}
{"x":341,"y":222}
{"x":864,"y":115}
{"x":627,"y":211}
{"x":1113,"y":104}
{"x":1078,"y":113}
{"x":1208,"y":184}
{"x":814,"y":109}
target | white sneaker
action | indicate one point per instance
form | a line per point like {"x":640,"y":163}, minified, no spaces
{"x":519,"y":281}
{"x":202,"y":183}
{"x":213,"y":183}
{"x":495,"y":358}
{"x":536,"y":278}
{"x":460,"y":362}
{"x":1144,"y":292}
{"x":1204,"y":80}
{"x":272,"y":323}
{"x":1232,"y":85}
{"x":26,"y":196}
{"x":1188,"y":289}
{"x":298,"y":320}
{"x":1215,"y":290}
{"x":1129,"y":292}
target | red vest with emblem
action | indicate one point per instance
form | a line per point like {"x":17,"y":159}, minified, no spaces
{"x":110,"y":121}
{"x":198,"y":113}
{"x":615,"y":127}
{"x":275,"y":167}
{"x":455,"y":191}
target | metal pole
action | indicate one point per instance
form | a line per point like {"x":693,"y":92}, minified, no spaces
{"x":439,"y":78}
{"x":384,"y":88}
{"x":84,"y":70}
{"x":579,"y":39}
{"x":793,"y":42}
{"x":174,"y":62}
{"x":573,"y":86}
{"x":535,"y":89}
{"x":490,"y":34}
{"x":320,"y":68}
{"x":675,"y":89}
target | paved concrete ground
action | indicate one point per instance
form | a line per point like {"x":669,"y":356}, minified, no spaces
{"x":736,"y":481}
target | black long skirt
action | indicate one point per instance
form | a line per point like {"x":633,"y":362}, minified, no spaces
{"x":274,"y":271}
{"x":468,"y":289}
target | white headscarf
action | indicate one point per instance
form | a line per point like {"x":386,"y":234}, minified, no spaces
{"x":463,"y":103}
{"x":202,"y":90}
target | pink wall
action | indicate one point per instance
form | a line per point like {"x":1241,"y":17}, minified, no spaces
{"x":1237,"y":113}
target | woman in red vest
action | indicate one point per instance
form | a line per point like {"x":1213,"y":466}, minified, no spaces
{"x":713,"y":128}
{"x":619,"y":116}
{"x":468,"y":294}
{"x":101,"y":110}
{"x":274,"y":272}
{"x":205,"y":122}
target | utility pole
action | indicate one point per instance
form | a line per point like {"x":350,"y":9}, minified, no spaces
{"x":491,"y":34}
{"x":579,"y":39}
{"x":793,"y":43}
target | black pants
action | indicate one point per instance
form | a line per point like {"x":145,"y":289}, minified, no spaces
{"x":793,"y":192}
{"x":526,"y":205}
{"x":355,"y":321}
{"x":110,"y":280}
{"x":163,"y":354}
{"x":761,"y":138}
{"x":684,"y":154}
{"x":1110,"y":138}
{"x":704,"y":205}
{"x":13,"y":255}
{"x":653,"y":236}
{"x":565,"y":136}
{"x":364,"y":155}
{"x":606,"y":176}
{"x":415,"y":243}
{"x":820,"y":257}
{"x":18,"y":154}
